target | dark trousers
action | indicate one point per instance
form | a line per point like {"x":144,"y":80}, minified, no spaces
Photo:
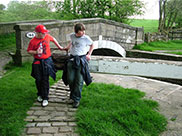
{"x":41,"y":70}
{"x":43,"y":88}
{"x":75,"y":81}
{"x":42,"y":83}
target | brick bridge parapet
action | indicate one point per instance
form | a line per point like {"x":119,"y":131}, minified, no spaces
{"x":125,"y":35}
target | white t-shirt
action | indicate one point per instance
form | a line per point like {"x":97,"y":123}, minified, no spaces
{"x":80,"y":45}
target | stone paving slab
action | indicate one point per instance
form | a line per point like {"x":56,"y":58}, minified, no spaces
{"x":57,"y":119}
{"x":169,"y":97}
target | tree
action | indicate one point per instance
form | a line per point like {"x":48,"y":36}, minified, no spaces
{"x":2,"y":7}
{"x":118,"y":10}
{"x":178,"y":22}
{"x":168,"y":12}
{"x":122,"y":9}
{"x":18,"y":11}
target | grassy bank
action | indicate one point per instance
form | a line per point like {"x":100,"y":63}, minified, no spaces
{"x":7,"y":42}
{"x":149,"y":25}
{"x":17,"y":94}
{"x":110,"y":110}
{"x":170,"y":46}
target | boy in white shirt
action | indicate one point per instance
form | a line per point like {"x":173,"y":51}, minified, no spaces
{"x":77,"y":66}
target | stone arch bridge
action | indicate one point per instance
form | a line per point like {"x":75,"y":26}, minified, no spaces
{"x":119,"y":36}
{"x":111,"y":39}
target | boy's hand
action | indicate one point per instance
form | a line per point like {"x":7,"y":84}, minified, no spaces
{"x":66,"y":49}
{"x":61,"y":48}
{"x":88,"y":57}
{"x":39,"y":51}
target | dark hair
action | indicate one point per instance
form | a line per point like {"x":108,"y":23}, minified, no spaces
{"x":79,"y":27}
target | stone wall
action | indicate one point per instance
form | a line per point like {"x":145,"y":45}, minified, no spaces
{"x":173,"y":35}
{"x":150,"y":37}
{"x":123,"y":34}
{"x":8,"y":27}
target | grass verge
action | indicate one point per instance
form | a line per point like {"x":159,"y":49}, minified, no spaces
{"x":110,"y":110}
{"x":8,"y":42}
{"x":17,"y":94}
{"x":161,"y":45}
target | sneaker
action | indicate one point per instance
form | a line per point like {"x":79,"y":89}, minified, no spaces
{"x":39,"y":99}
{"x":45,"y":103}
{"x":76,"y":104}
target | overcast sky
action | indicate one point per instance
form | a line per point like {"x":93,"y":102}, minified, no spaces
{"x":4,"y":2}
{"x":151,"y":9}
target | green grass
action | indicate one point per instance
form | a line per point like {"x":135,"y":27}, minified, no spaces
{"x":148,"y":24}
{"x":177,"y":52}
{"x":8,"y":42}
{"x":17,"y":94}
{"x":160,"y":45}
{"x":110,"y":110}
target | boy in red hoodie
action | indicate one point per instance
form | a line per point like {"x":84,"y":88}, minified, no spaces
{"x":42,"y":66}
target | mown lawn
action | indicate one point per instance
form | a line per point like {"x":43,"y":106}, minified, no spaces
{"x":149,"y":25}
{"x":110,"y":110}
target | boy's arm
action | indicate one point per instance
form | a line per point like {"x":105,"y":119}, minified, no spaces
{"x":57,"y":44}
{"x":32,"y":52}
{"x":30,"y":49}
{"x":68,"y":46}
{"x":88,"y":56}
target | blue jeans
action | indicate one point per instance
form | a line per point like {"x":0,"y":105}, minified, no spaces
{"x":75,"y":81}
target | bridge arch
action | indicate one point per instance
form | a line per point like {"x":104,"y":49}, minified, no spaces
{"x":108,"y":48}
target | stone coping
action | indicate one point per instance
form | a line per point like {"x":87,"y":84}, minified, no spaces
{"x":153,"y":55}
{"x":27,"y":26}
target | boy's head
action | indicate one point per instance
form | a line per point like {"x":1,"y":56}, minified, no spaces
{"x":79,"y":30}
{"x":41,"y":29}
{"x":79,"y":27}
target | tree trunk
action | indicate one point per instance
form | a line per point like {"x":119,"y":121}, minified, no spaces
{"x":174,"y":19}
{"x":160,"y":15}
